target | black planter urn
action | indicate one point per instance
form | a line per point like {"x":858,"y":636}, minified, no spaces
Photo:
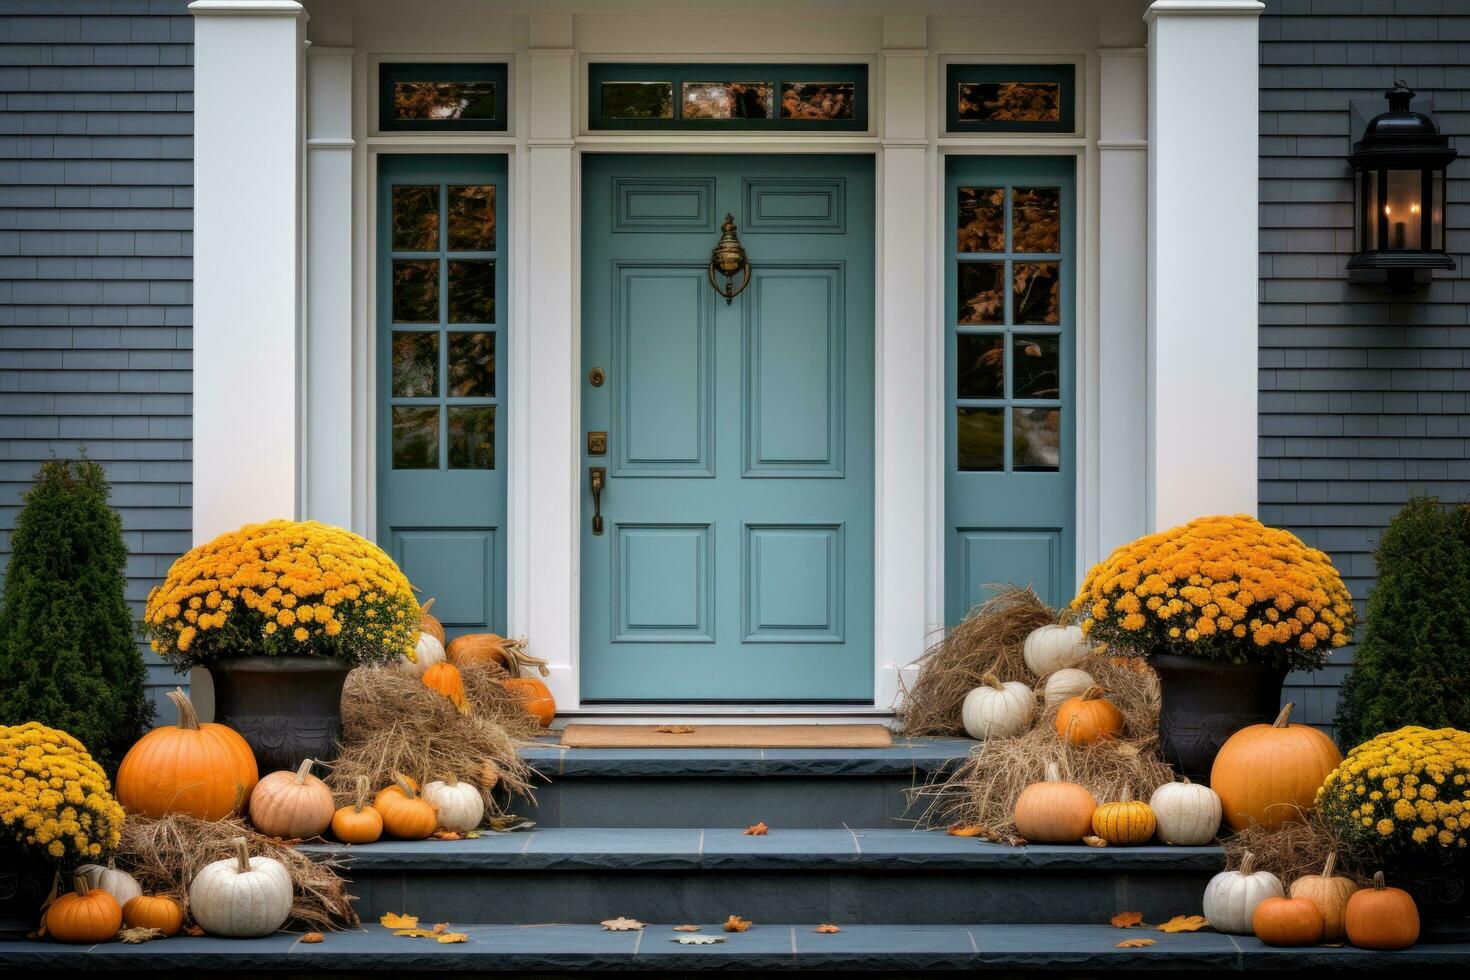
{"x":1439,"y":880}
{"x":1204,"y":702}
{"x":287,"y":708}
{"x":25,"y":883}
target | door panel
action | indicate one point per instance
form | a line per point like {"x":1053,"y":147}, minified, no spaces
{"x":736,"y":562}
{"x":441,"y":290}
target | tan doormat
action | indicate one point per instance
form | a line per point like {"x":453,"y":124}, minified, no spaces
{"x":726,"y":737}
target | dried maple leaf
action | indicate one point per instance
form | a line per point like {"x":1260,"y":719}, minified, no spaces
{"x":674,"y":729}
{"x":967,"y":830}
{"x":827,"y":928}
{"x":312,"y":937}
{"x":757,"y":830}
{"x":737,"y":924}
{"x":622,"y":924}
{"x":447,"y":835}
{"x":1184,"y":923}
{"x":1093,"y":841}
{"x":451,"y":937}
{"x":194,"y":930}
{"x":1126,"y":920}
{"x":394,"y":920}
{"x":139,"y":934}
{"x":686,"y":928}
{"x":1133,"y":944}
{"x":440,"y":927}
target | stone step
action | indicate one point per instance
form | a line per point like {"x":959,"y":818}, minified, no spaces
{"x":691,"y":875}
{"x":875,"y":950}
{"x":791,"y":788}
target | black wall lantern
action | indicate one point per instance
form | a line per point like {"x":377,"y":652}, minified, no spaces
{"x":1399,"y":180}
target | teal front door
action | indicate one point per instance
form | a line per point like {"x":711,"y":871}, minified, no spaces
{"x":1010,"y":413}
{"x":441,"y":306}
{"x":733,"y":561}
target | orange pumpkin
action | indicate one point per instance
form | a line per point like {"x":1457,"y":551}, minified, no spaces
{"x":398,"y":787}
{"x":153,"y":912}
{"x":360,"y":822}
{"x":1088,"y":718}
{"x":1287,"y":922}
{"x":1054,"y":811}
{"x":1128,"y":821}
{"x":535,"y":698}
{"x":428,"y":624}
{"x":446,"y":679}
{"x":86,"y":915}
{"x":406,"y":814}
{"x":204,"y":770}
{"x":1269,"y":774}
{"x":1381,"y":917}
{"x":482,"y":649}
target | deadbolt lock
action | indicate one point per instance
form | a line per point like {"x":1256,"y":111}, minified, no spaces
{"x":597,"y":444}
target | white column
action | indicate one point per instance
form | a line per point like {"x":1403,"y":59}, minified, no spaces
{"x":1122,"y":274}
{"x":903,"y":379}
{"x":327,"y":424}
{"x":552,"y":358}
{"x":1202,"y":188}
{"x":247,"y":260}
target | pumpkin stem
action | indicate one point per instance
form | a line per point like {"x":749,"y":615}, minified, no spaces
{"x":1127,"y":794}
{"x":188,"y":717}
{"x":362,"y":794}
{"x":993,"y":681}
{"x":242,"y":854}
{"x":1093,"y":693}
{"x":1378,"y":883}
{"x":451,"y":780}
{"x":304,"y":771}
{"x":80,"y":886}
{"x":1282,"y":719}
{"x":404,"y":784}
{"x":1247,"y":863}
{"x":1330,"y":865}
{"x":424,"y":609}
{"x":1053,"y":774}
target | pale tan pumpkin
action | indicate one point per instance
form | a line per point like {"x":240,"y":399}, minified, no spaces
{"x":1054,"y":811}
{"x":1330,"y":893}
{"x":241,"y":895}
{"x":1269,"y":774}
{"x":460,"y":806}
{"x":291,"y":805}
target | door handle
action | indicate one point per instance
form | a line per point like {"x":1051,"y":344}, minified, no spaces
{"x":598,"y":475}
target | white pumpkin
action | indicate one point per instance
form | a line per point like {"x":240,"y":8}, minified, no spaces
{"x":995,"y":710}
{"x":1187,"y":813}
{"x":1050,"y":648}
{"x":1231,"y":897}
{"x":241,"y":895}
{"x":428,"y":652}
{"x":459,"y":804}
{"x":1064,"y":684}
{"x":119,"y":884}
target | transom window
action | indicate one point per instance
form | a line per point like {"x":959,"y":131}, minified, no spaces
{"x":727,"y":96}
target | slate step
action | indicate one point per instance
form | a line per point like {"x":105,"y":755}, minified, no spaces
{"x":691,"y":875}
{"x":792,"y":788}
{"x":875,"y":950}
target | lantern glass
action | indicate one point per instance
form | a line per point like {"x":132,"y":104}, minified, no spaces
{"x":1436,"y":212}
{"x":1403,"y":211}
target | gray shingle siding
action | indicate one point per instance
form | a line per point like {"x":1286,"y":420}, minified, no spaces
{"x":96,"y":175}
{"x":1362,"y":395}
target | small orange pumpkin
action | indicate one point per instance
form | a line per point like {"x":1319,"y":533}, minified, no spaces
{"x":154,"y":912}
{"x":1054,"y":811}
{"x":446,"y":679}
{"x":482,"y":649}
{"x":86,"y":915}
{"x":406,"y":814}
{"x":535,"y":698}
{"x":1089,"y":718}
{"x":395,"y":788}
{"x":1381,"y":917}
{"x":360,"y":822}
{"x":1269,"y":774}
{"x":428,"y":624}
{"x":1287,"y":922}
{"x":1128,"y":821}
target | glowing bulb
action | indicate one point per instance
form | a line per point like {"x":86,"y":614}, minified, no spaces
{"x":1387,"y":209}
{"x":1413,"y":209}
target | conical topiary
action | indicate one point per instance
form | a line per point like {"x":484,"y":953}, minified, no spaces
{"x":69,"y":656}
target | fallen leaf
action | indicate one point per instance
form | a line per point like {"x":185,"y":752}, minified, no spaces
{"x":194,"y":930}
{"x":1184,"y":923}
{"x":1092,"y":841}
{"x":697,"y":940}
{"x":416,"y":933}
{"x":737,"y":924}
{"x":447,"y":835}
{"x":451,"y":937}
{"x":139,"y":934}
{"x":622,"y":924}
{"x":394,"y":920}
{"x":827,"y":928}
{"x":674,"y":729}
{"x":1126,"y":920}
{"x":472,"y":835}
{"x":686,"y":928}
{"x":440,"y":927}
{"x":508,"y":823}
{"x":312,"y":937}
{"x":1133,"y":944}
{"x":968,"y":830}
{"x":757,"y":830}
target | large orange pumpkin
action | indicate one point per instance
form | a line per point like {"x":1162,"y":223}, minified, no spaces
{"x":446,"y":679}
{"x":1088,"y":718}
{"x":86,"y":915}
{"x":1269,"y":774}
{"x":535,"y":698}
{"x":204,"y":770}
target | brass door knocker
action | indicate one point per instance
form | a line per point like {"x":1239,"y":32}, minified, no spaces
{"x":728,"y":259}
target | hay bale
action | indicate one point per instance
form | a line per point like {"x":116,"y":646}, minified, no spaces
{"x":1298,"y":848}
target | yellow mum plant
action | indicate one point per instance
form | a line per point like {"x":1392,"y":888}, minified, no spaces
{"x":54,"y":799}
{"x":284,"y":587}
{"x":1224,"y":588}
{"x":1403,"y":790}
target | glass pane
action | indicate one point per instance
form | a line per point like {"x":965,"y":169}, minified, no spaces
{"x":1036,"y":441}
{"x":1402,"y":207}
{"x":415,"y":437}
{"x":817,"y":100}
{"x":1370,"y":211}
{"x":1038,"y":287}
{"x":981,"y":292}
{"x":443,"y":100}
{"x":472,"y":218}
{"x":1036,"y":219}
{"x":472,"y":437}
{"x":471,"y":291}
{"x":1010,"y":101}
{"x":638,"y":100}
{"x":980,"y":366}
{"x":415,"y":219}
{"x":982,"y":220}
{"x":1037,"y":364}
{"x":415,"y":365}
{"x":1437,"y":212}
{"x":727,"y":100}
{"x":472,"y":365}
{"x":980,"y":438}
{"x":415,"y":291}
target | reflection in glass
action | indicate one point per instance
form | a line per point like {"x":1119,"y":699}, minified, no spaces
{"x":980,"y":365}
{"x":817,"y":100}
{"x":1403,"y":209}
{"x":638,"y":100}
{"x":472,"y":365}
{"x":1036,"y":439}
{"x":1036,"y":219}
{"x":981,"y":287}
{"x":443,"y":100}
{"x":472,"y":218}
{"x":415,"y":291}
{"x":415,"y":218}
{"x":415,"y":364}
{"x":1038,"y":288}
{"x":415,"y":437}
{"x":1036,"y":364}
{"x":472,"y":437}
{"x":727,"y":100}
{"x":980,"y":438}
{"x":471,"y":291}
{"x":982,"y":220}
{"x":1010,"y":101}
